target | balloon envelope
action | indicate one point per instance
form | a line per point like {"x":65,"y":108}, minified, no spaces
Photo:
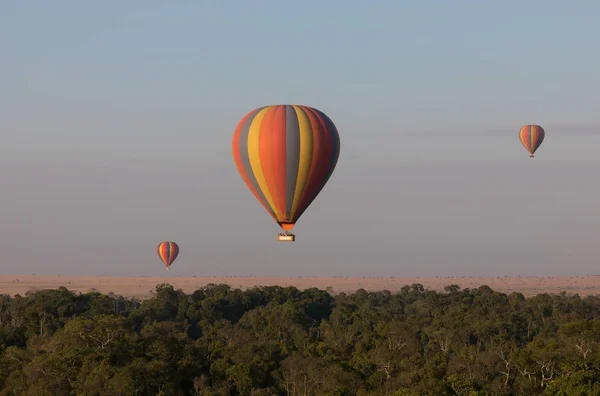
{"x":167,"y":252}
{"x":285,"y":155}
{"x":532,"y":137}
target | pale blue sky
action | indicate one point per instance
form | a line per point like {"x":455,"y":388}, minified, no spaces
{"x":116,"y":121}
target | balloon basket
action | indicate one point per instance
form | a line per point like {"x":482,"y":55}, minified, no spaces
{"x":167,"y":269}
{"x":286,"y":237}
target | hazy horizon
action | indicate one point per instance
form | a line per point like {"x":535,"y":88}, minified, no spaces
{"x":116,"y":123}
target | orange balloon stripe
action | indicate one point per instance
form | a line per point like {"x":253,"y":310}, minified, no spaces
{"x":524,"y":136}
{"x":268,"y":148}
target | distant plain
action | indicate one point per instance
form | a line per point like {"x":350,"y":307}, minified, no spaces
{"x":142,"y":287}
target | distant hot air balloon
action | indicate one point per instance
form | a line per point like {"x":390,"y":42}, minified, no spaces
{"x":285,"y":155}
{"x":532,"y":137}
{"x":167,"y":251}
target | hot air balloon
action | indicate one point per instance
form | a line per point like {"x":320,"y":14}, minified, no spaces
{"x":532,"y":137}
{"x":167,"y":251}
{"x":285,"y":155}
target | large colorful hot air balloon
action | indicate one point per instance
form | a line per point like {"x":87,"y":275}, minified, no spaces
{"x":167,"y":251}
{"x":532,"y":137}
{"x":286,"y":154}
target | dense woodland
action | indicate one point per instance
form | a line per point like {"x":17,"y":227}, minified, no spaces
{"x":282,"y":341}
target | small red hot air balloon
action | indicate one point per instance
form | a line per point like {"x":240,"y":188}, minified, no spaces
{"x":532,"y":137}
{"x":167,"y":252}
{"x":285,"y":155}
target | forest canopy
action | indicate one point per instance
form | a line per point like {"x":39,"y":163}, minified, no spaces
{"x":283,"y":341}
